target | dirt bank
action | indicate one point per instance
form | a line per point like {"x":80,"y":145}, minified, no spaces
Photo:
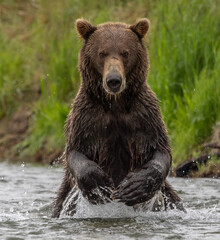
{"x":13,"y":130}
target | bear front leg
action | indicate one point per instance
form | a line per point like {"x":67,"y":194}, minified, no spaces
{"x":140,"y":186}
{"x":94,"y":183}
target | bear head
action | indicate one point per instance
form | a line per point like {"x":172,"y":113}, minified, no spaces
{"x":113,"y":57}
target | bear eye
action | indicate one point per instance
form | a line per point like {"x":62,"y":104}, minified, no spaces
{"x":103,"y":54}
{"x":125,"y":54}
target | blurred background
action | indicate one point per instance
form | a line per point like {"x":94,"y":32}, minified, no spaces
{"x":39,"y":77}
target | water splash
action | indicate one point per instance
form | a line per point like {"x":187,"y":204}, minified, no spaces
{"x":84,"y":209}
{"x":79,"y":207}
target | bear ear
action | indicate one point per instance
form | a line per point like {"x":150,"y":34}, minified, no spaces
{"x":84,"y":28}
{"x":141,"y":27}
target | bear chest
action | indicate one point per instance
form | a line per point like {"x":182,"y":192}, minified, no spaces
{"x":117,"y":145}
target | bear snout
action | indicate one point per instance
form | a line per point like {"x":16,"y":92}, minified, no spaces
{"x":114,"y":82}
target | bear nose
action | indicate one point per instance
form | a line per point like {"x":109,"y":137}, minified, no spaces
{"x":114,"y":81}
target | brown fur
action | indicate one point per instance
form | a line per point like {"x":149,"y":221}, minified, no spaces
{"x":120,"y":132}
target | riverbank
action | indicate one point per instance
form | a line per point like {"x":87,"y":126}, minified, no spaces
{"x":15,"y":129}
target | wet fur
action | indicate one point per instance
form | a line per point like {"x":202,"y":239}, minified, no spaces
{"x":121,"y":133}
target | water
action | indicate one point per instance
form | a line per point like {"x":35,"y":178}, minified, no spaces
{"x":26,"y":194}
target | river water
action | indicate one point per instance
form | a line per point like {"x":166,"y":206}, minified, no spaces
{"x":27,"y":193}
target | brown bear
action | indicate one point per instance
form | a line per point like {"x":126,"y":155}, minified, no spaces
{"x":116,"y":139}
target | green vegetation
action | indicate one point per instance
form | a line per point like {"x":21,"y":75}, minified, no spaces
{"x":39,"y":50}
{"x":13,"y":75}
{"x":185,"y":71}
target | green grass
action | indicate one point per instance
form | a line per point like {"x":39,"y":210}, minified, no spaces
{"x":184,"y":53}
{"x":185,"y":70}
{"x":13,"y":79}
